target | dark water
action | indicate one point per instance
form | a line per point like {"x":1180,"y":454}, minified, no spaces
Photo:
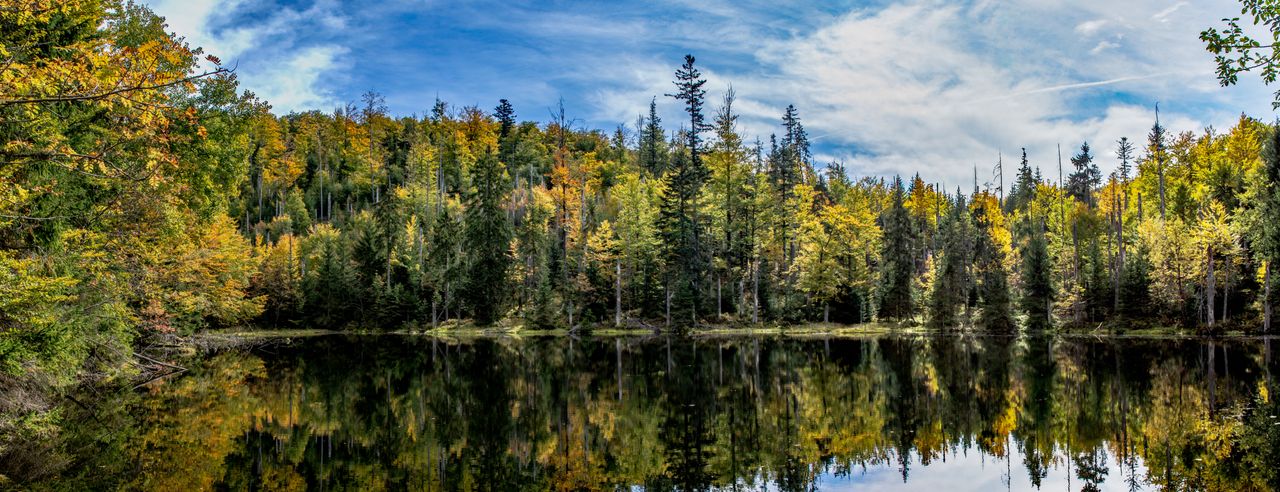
{"x":889,"y":413}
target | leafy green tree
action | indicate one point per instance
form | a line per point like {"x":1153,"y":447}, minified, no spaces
{"x":1235,"y":51}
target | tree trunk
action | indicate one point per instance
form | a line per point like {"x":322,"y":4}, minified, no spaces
{"x":719,"y":303}
{"x":667,"y":294}
{"x":755,"y":293}
{"x":1226,"y":288}
{"x":1208,"y":287}
{"x":826,"y":313}
{"x":617,"y":293}
{"x":1266,"y":299}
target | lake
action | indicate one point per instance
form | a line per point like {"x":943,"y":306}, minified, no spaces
{"x":732,"y":413}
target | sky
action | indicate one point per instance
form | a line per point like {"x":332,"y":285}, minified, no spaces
{"x":927,"y":86}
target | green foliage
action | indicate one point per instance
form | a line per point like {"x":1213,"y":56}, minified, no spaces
{"x":1235,"y":52}
{"x":488,"y":241}
{"x":1037,"y":284}
{"x":897,"y":300}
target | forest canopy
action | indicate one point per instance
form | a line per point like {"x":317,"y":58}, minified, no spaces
{"x":144,"y":193}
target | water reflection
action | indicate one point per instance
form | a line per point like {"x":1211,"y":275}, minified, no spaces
{"x":915,"y":413}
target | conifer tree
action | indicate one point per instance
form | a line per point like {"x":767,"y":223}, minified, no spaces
{"x":951,"y":282}
{"x":681,"y":224}
{"x":1024,"y":187}
{"x":898,"y":262}
{"x":1037,"y":280}
{"x":507,"y":140}
{"x":488,"y":241}
{"x":1086,"y":176}
{"x":653,"y":142}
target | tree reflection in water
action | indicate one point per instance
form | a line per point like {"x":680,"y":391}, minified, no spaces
{"x":945,"y":412}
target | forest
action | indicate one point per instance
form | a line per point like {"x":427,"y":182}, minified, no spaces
{"x":144,"y":194}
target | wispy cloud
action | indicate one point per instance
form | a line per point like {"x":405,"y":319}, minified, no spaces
{"x":916,"y":85}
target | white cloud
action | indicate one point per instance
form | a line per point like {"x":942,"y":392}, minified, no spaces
{"x":269,"y":53}
{"x":1088,"y":28}
{"x":1163,"y":15}
{"x":938,"y":87}
{"x":1103,"y":46}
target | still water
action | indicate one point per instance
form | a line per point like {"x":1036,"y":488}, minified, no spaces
{"x":888,"y":413}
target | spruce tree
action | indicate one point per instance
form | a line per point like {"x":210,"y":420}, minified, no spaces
{"x":680,"y":228}
{"x":1135,"y":286}
{"x":506,"y":116}
{"x":951,"y":282}
{"x":1024,"y":187}
{"x":1085,"y":177}
{"x":681,"y":225}
{"x":653,"y":142}
{"x":1124,"y":152}
{"x":488,"y":241}
{"x":1037,"y":280}
{"x":898,"y":263}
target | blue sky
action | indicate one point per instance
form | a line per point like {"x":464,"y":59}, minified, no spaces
{"x":886,"y":87}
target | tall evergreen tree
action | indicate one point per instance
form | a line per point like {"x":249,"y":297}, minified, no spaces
{"x":951,"y":282}
{"x":1086,"y":176}
{"x":1037,"y":280}
{"x":1124,"y":152}
{"x":898,"y":262}
{"x":506,"y":116}
{"x":1024,"y":186}
{"x":653,"y":142}
{"x":681,"y":224}
{"x":488,"y":241}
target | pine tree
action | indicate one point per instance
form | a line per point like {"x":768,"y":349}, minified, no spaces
{"x":488,"y":241}
{"x":1086,"y":177}
{"x":898,"y":267}
{"x":1024,"y":187}
{"x":994,"y":302}
{"x":1037,"y":280}
{"x":506,"y":116}
{"x":1135,"y":286}
{"x":1124,"y":152}
{"x":951,"y":282}
{"x":653,"y":142}
{"x":682,"y":225}
{"x":680,"y":229}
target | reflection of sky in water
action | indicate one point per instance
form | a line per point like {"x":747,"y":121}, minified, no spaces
{"x":976,"y":471}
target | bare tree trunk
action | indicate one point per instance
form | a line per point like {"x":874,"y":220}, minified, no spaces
{"x":755,"y":292}
{"x":1226,"y":288}
{"x":667,"y":294}
{"x":719,"y":303}
{"x":617,"y":293}
{"x":1208,"y":287}
{"x":1266,"y":299}
{"x":826,"y":312}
